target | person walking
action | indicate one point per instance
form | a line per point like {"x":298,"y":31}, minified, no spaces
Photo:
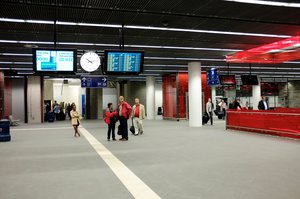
{"x":263,"y":104}
{"x":138,"y":114}
{"x":75,"y":120}
{"x":223,"y":109}
{"x":56,"y":110}
{"x":209,"y":110}
{"x":110,"y":119}
{"x":124,"y":112}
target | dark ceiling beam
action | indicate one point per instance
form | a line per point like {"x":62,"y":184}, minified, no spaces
{"x":162,"y":13}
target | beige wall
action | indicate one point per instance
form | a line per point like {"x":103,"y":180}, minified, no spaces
{"x":34,"y":99}
{"x":48,"y":90}
{"x":136,"y":89}
{"x":294,"y":94}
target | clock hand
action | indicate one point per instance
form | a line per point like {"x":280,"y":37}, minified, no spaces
{"x":89,"y":61}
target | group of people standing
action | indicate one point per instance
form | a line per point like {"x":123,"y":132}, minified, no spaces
{"x":122,"y":114}
{"x":209,"y":107}
{"x":236,"y":104}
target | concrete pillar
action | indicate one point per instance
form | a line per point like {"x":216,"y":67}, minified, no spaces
{"x":94,"y":109}
{"x":126,"y":90}
{"x":213,"y":95}
{"x":150,"y":97}
{"x":34,"y":97}
{"x":118,"y":90}
{"x":48,"y":90}
{"x":256,"y":94}
{"x":195,"y":94}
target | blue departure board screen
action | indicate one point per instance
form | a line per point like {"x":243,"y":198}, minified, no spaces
{"x":124,"y":61}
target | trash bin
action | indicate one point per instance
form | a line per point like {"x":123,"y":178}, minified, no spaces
{"x":4,"y":131}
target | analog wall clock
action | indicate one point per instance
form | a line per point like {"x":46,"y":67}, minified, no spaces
{"x":90,"y":61}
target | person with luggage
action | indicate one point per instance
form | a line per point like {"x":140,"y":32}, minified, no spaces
{"x":110,"y":119}
{"x":75,"y":120}
{"x":124,"y":112}
{"x":138,"y":114}
{"x":209,"y":110}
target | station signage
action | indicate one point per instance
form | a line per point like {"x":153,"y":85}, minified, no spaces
{"x":94,"y":82}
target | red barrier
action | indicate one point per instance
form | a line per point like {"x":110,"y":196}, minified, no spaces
{"x":283,"y":122}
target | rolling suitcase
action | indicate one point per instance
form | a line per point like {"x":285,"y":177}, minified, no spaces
{"x":205,"y":118}
{"x":50,"y":117}
{"x":220,"y":115}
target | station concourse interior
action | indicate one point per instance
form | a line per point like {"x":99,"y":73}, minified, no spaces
{"x":219,"y":81}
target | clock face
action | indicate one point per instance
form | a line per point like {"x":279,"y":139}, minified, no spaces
{"x":90,"y":61}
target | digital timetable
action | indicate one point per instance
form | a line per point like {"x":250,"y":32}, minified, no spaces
{"x":124,"y":61}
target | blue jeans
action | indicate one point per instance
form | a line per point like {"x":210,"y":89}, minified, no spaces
{"x":224,"y":113}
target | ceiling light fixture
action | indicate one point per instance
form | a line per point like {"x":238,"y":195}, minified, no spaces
{"x":144,"y":28}
{"x":11,"y":62}
{"x":16,"y":54}
{"x":128,"y":46}
{"x":207,"y":31}
{"x":185,"y":59}
{"x":268,"y":3}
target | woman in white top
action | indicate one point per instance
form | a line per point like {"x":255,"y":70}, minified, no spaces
{"x":223,"y":108}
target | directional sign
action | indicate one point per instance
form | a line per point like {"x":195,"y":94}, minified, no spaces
{"x":94,"y":82}
{"x":212,"y":77}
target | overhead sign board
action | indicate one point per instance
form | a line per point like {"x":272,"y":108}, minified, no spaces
{"x":94,"y":82}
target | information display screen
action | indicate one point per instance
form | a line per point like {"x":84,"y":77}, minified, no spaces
{"x":249,"y":79}
{"x":54,"y":60}
{"x":227,"y":79}
{"x":124,"y":62}
{"x":212,"y":77}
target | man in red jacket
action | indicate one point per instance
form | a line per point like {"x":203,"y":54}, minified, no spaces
{"x":124,"y":113}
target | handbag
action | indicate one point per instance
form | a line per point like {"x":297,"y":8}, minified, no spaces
{"x":119,"y":130}
{"x":132,"y":129}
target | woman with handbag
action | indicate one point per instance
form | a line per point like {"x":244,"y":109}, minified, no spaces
{"x":110,"y":119}
{"x":75,"y":120}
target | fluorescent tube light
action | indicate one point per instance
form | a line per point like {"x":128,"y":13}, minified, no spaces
{"x":207,"y":31}
{"x":16,"y":54}
{"x":144,"y":28}
{"x":9,"y":62}
{"x":184,"y":59}
{"x":116,"y":45}
{"x":268,"y":3}
{"x":39,"y":21}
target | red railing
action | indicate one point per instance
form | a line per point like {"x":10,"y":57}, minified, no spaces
{"x":282,"y":122}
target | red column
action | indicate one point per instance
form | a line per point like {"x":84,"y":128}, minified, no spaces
{"x":7,"y":97}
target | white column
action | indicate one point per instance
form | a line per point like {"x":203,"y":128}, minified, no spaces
{"x":195,"y":94}
{"x":256,"y":93}
{"x":213,"y":95}
{"x":150,"y":97}
{"x":126,"y":91}
{"x":34,"y":94}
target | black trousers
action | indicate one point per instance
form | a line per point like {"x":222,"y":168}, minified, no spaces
{"x":111,"y":130}
{"x":124,"y":127}
{"x":211,"y":117}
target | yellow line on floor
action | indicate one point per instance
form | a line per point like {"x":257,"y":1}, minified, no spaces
{"x":134,"y":184}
